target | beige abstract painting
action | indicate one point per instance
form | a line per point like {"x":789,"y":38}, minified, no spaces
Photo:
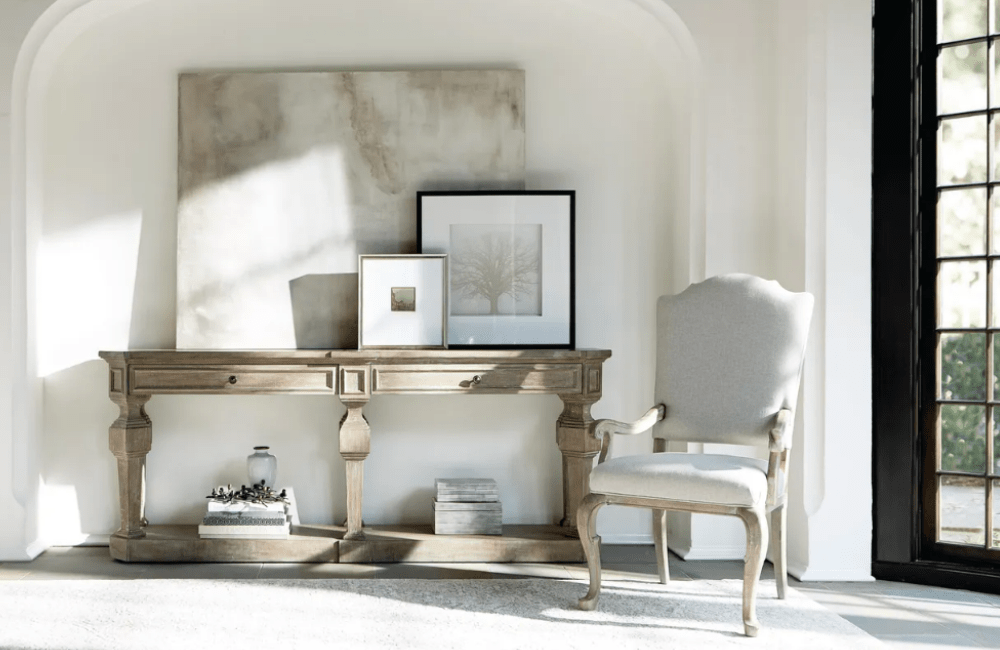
{"x":284,"y":178}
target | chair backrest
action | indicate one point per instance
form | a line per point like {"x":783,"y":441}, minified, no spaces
{"x":729,"y":357}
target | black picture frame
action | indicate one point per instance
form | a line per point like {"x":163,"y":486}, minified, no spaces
{"x":530,"y":235}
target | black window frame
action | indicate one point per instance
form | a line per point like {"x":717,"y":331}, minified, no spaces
{"x":904,"y":269}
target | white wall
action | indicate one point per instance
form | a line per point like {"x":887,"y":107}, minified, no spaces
{"x":739,"y":51}
{"x":837,"y":494}
{"x":788,"y":195}
{"x":106,"y":264}
{"x":693,"y":153}
{"x":19,"y":464}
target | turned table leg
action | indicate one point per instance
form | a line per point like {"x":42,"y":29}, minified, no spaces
{"x":355,"y":442}
{"x":578,"y":444}
{"x":579,"y":447}
{"x":130,"y":438}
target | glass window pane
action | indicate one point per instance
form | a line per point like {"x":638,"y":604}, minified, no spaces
{"x":962,"y":294}
{"x":962,"y":150}
{"x":962,"y":223}
{"x":962,"y":78}
{"x":963,"y":438}
{"x":961,"y":19}
{"x":996,"y":372}
{"x":995,"y":537}
{"x":962,"y":518}
{"x":995,"y":319}
{"x":994,"y":57}
{"x":996,"y":445}
{"x":995,"y":246}
{"x":994,"y":137}
{"x":963,"y":366}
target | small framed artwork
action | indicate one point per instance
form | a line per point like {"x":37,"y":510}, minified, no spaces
{"x":511,"y":264}
{"x":403,"y":301}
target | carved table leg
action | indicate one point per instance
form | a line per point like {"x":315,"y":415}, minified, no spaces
{"x":579,"y":446}
{"x":130,"y":438}
{"x":355,"y":441}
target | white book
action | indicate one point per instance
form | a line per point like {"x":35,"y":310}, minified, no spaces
{"x":244,"y":531}
{"x":465,"y":484}
{"x":468,"y":530}
{"x":241,"y":507}
{"x":243,"y":519}
{"x":251,"y":536}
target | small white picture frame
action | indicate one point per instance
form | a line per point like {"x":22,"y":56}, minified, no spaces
{"x":403,"y":301}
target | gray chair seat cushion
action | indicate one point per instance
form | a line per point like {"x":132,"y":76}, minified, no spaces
{"x":700,"y":478}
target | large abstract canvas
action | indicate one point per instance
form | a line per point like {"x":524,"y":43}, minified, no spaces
{"x":285,"y":178}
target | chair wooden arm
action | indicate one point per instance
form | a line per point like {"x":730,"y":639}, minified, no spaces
{"x":604,"y":428}
{"x":781,"y":432}
{"x":777,"y":464}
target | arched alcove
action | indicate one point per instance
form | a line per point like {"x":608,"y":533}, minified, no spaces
{"x":94,"y":121}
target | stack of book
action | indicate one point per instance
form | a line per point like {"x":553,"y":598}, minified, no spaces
{"x":241,"y":520}
{"x":467,"y":506}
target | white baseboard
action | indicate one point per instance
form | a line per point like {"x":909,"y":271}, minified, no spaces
{"x":35,"y":549}
{"x":702,"y":552}
{"x":80,"y":540}
{"x":805,"y":574}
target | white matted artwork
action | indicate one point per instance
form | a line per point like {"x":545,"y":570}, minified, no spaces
{"x":284,"y":178}
{"x":403,"y":301}
{"x":511,"y":257}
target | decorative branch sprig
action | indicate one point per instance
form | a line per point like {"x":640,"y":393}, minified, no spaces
{"x":258,"y":493}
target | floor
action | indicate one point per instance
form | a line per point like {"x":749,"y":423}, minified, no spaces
{"x":901,"y":615}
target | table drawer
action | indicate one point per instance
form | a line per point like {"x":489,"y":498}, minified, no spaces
{"x":564,"y":378}
{"x":257,"y":380}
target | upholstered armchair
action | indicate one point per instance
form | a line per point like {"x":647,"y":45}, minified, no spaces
{"x":729,"y":359}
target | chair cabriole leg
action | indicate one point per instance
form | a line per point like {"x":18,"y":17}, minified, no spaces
{"x":586,"y":522}
{"x":779,"y":553}
{"x":755,"y":521}
{"x":660,"y":544}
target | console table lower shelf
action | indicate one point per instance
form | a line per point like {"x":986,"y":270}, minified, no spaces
{"x":382,"y":544}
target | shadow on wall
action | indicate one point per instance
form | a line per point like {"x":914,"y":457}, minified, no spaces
{"x":325,"y":310}
{"x":473,"y":436}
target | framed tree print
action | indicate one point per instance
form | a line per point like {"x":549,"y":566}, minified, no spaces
{"x":511,"y":259}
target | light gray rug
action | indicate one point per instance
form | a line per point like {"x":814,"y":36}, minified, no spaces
{"x":420,"y":614}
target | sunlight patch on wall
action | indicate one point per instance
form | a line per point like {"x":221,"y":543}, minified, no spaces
{"x":292,"y":218}
{"x":60,"y":515}
{"x":85,"y":282}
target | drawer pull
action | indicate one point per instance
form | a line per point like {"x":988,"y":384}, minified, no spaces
{"x":233,"y":380}
{"x":462,"y":378}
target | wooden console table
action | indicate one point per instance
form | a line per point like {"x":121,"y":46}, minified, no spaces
{"x":353,"y":376}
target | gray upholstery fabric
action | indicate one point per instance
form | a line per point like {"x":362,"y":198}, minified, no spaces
{"x":702,"y":478}
{"x":729,"y":356}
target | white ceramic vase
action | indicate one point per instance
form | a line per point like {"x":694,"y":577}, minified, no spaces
{"x":262,"y":467}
